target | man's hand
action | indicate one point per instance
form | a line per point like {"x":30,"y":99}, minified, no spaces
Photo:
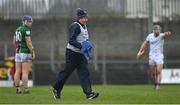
{"x":167,"y":34}
{"x":140,"y":54}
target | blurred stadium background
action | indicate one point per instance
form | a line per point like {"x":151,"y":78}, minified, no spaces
{"x":116,"y":27}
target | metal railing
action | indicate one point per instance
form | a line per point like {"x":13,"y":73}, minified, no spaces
{"x":161,"y":9}
{"x":102,"y":57}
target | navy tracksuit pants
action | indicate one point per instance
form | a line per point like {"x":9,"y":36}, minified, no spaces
{"x":74,"y":61}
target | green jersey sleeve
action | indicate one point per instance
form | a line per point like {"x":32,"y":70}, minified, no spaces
{"x":27,"y":32}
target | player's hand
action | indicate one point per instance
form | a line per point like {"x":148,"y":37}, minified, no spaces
{"x":33,"y":55}
{"x":140,"y":54}
{"x":167,"y":34}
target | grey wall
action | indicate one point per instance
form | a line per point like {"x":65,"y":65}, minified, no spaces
{"x":118,"y":36}
{"x":118,"y":39}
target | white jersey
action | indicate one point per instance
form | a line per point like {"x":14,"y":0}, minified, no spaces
{"x":156,"y":45}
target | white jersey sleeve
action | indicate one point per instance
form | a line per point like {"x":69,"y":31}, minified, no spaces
{"x":147,"y":38}
{"x":162,"y":35}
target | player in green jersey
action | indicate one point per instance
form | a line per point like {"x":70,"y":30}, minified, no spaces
{"x":24,"y":53}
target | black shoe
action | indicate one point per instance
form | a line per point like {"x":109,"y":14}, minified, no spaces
{"x":56,"y":94}
{"x":92,"y":95}
{"x":18,"y":90}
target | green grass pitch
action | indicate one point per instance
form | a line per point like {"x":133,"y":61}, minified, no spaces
{"x":110,"y":94}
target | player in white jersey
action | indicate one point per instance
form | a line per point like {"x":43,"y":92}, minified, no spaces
{"x":156,"y":56}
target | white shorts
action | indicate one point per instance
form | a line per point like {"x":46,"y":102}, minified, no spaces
{"x":23,"y":57}
{"x":156,"y":59}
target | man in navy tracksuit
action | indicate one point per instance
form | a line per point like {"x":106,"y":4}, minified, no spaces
{"x":76,"y":58}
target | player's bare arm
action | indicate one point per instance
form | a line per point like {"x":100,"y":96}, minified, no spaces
{"x":30,"y":46}
{"x":14,"y":41}
{"x":142,"y":49}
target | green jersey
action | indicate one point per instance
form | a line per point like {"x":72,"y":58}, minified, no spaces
{"x":20,"y":36}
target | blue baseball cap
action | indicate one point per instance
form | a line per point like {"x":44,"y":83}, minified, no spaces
{"x":27,"y":18}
